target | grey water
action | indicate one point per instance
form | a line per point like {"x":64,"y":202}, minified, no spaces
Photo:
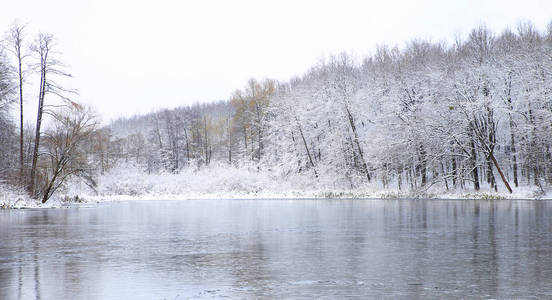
{"x":279,"y":249}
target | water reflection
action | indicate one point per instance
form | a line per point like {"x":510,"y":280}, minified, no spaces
{"x":278,"y":249}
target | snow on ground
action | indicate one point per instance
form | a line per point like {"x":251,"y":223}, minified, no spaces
{"x":223,"y":182}
{"x":11,"y":197}
{"x":522,"y":192}
{"x":128,"y":182}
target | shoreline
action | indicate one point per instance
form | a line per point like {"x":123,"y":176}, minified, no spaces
{"x":75,"y":201}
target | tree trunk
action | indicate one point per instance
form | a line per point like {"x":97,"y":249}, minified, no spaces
{"x":444,"y":177}
{"x":259,"y":131}
{"x":206,"y":144}
{"x":490,"y":175}
{"x":501,"y":174}
{"x":423,"y":165}
{"x":38,"y":124}
{"x":245,"y":140}
{"x":229,"y":142}
{"x":21,"y":152}
{"x":187,"y":146}
{"x":475,"y":172}
{"x":306,"y":148}
{"x":454,"y":172}
{"x":46,"y":195}
{"x":357,"y":142}
{"x":513,"y":147}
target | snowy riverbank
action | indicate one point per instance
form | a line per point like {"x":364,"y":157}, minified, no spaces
{"x":222,"y":182}
{"x":130,"y":183}
{"x":11,"y":197}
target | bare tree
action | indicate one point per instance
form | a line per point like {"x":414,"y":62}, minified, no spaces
{"x":15,"y":45}
{"x":48,"y":65}
{"x":66,"y":149}
{"x":6,"y":125}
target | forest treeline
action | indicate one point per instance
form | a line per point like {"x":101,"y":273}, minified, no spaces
{"x":474,"y":114}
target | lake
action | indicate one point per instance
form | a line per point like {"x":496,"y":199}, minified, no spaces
{"x":279,"y":249}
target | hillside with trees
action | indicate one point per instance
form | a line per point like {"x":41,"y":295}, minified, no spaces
{"x":424,"y":119}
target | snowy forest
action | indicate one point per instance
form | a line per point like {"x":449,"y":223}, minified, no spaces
{"x":471,"y":115}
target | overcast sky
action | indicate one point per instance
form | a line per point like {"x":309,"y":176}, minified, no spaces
{"x":134,"y":56}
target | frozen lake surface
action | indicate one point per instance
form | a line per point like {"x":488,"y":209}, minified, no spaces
{"x":279,"y":249}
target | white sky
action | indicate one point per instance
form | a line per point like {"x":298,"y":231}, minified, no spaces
{"x":134,"y":56}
